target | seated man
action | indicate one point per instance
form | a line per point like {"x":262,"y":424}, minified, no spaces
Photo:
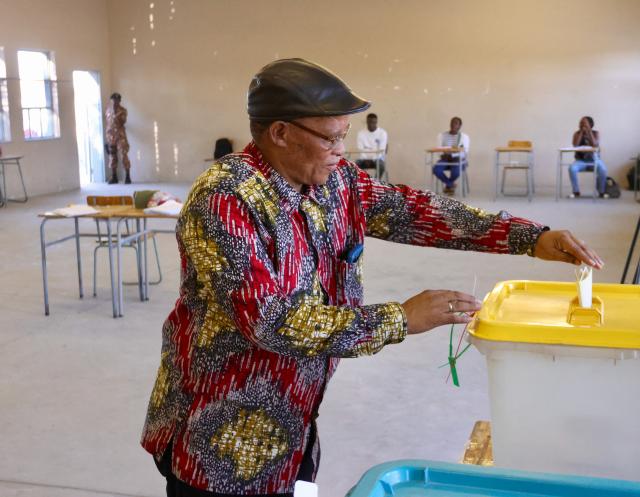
{"x":586,"y":136}
{"x":448,"y":162}
{"x":374,"y":139}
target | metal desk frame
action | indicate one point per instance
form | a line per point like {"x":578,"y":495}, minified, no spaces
{"x":348,"y":154}
{"x":561,"y":164}
{"x":108,"y":214}
{"x":429,"y":162}
{"x":5,"y":161}
{"x":527,"y":166}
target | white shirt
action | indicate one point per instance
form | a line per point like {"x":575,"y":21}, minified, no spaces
{"x":372,"y":140}
{"x":446,"y":139}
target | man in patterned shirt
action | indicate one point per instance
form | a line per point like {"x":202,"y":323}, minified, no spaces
{"x":271,"y":292}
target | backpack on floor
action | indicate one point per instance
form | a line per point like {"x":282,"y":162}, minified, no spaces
{"x":612,"y":188}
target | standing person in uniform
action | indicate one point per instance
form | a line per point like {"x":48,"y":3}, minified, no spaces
{"x":271,"y":292}
{"x":117,"y":142}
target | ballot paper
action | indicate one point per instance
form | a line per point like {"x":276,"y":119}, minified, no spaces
{"x":584,"y":281}
{"x":75,"y":210}
{"x":169,"y":208}
{"x":305,"y":489}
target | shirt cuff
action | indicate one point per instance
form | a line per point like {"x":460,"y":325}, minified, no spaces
{"x":531,"y":250}
{"x":523,"y":237}
{"x":391,"y":324}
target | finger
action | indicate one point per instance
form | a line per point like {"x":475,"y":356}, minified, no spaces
{"x":465,"y":297}
{"x":592,"y":253}
{"x":454,"y":319}
{"x":599,"y":263}
{"x":461,"y":319}
{"x":462,"y":296}
{"x":572,"y":246}
{"x":466,"y":307}
{"x":562,"y":256}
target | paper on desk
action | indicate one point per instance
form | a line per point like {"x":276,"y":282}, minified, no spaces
{"x":75,"y":210}
{"x":169,"y":208}
{"x":305,"y":489}
{"x":584,"y":280}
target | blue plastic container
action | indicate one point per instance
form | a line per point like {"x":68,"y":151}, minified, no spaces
{"x":417,"y":478}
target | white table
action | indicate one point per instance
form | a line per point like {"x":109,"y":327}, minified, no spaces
{"x":561,"y":164}
{"x":349,"y":155}
{"x":430,"y":160}
{"x":119,"y":214}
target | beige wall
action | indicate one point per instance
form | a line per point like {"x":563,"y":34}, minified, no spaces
{"x":510,"y":69}
{"x":76,"y":31}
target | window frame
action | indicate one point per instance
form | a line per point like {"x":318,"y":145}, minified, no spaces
{"x":5,"y":116}
{"x":51,"y":109}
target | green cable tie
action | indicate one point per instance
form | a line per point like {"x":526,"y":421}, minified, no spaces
{"x":452,"y":359}
{"x":454,"y":372}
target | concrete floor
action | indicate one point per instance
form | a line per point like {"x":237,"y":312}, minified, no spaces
{"x":74,"y":385}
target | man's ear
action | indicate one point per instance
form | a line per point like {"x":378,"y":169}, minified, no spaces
{"x":279,"y":134}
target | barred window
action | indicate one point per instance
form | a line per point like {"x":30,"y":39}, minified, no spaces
{"x":5,"y":127}
{"x":39,"y":95}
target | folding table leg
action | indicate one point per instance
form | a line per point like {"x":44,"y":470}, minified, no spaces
{"x":78,"y":258}
{"x":139,"y":262}
{"x":43,"y":255}
{"x":116,"y":310}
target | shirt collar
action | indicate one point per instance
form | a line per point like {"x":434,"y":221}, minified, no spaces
{"x":290,"y":198}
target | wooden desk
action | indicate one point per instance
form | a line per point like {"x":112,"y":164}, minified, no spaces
{"x":528,"y":166}
{"x":479,"y":450}
{"x":561,"y":164}
{"x":429,"y":162}
{"x":120,"y":213}
{"x":15,"y":161}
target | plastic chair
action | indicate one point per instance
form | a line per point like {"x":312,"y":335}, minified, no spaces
{"x":518,"y":164}
{"x":103,"y":242}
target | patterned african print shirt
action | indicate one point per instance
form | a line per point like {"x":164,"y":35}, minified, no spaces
{"x":116,"y":120}
{"x":269,"y":303}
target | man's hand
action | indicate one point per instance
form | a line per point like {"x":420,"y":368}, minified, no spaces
{"x":563,"y":246}
{"x":433,"y":308}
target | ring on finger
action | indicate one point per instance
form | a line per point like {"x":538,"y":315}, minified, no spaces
{"x":451,"y":309}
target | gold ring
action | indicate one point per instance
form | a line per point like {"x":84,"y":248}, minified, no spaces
{"x":451,"y":310}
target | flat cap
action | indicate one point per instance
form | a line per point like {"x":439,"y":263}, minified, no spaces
{"x":288,"y":89}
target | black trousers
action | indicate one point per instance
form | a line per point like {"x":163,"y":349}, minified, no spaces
{"x":371,"y":164}
{"x":177,"y":488}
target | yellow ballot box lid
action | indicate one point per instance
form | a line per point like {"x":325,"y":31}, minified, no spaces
{"x":548,"y":312}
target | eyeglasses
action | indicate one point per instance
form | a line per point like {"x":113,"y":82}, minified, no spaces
{"x":334,"y":142}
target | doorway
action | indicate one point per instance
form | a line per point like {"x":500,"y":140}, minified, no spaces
{"x":89,"y":136}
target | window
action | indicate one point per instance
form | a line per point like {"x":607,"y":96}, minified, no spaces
{"x":39,"y":95}
{"x":5,"y":127}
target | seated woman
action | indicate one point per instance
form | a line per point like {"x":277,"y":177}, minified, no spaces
{"x":586,"y":136}
{"x":448,"y":162}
